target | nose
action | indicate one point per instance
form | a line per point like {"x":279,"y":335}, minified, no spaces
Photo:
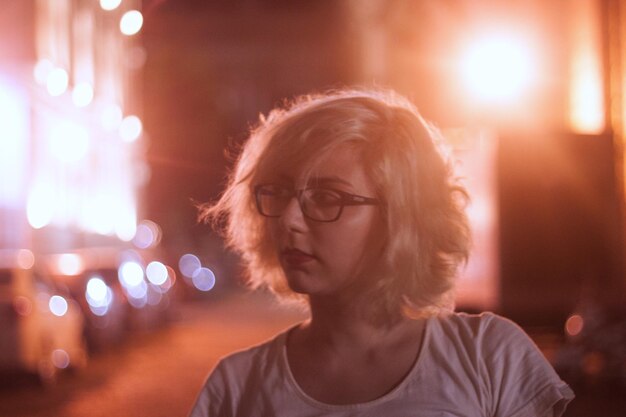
{"x":292,"y":218}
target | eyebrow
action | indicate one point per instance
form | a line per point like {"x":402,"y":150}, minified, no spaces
{"x":320,"y":180}
{"x":329,"y":180}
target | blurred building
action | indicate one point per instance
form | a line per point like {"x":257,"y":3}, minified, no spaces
{"x":71,"y":143}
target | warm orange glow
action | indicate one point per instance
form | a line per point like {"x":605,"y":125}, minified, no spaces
{"x":477,"y":286}
{"x":574,"y":325}
{"x":586,"y":106}
{"x":498,"y":68}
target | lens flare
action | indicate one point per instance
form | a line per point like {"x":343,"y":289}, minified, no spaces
{"x":498,"y":68}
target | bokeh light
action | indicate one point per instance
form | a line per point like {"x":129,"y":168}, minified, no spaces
{"x":22,"y":305}
{"x":58,"y":305}
{"x":130,"y":274}
{"x":148,"y":234}
{"x":203,"y":279}
{"x":111,"y":117}
{"x":189,"y":264}
{"x":42,"y":69}
{"x":82,"y":95}
{"x":130,"y":128}
{"x":131,"y":22}
{"x":57,"y":82}
{"x":137,"y":291}
{"x":60,"y":358}
{"x":574,"y":325}
{"x":110,"y":4}
{"x":99,"y":295}
{"x":39,"y":210}
{"x":25,"y":259}
{"x":70,"y":264}
{"x":156,"y":273}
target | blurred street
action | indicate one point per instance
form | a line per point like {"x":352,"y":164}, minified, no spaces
{"x":153,"y":374}
{"x":159,"y":374}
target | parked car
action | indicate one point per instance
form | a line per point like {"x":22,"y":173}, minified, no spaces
{"x":41,"y":325}
{"x":117,"y":291}
{"x":104,"y":305}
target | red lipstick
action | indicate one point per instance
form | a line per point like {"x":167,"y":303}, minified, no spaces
{"x":296,"y":257}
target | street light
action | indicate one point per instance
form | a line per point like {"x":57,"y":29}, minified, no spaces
{"x":497,"y":69}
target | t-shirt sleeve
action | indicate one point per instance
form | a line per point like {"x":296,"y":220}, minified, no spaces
{"x":212,"y":401}
{"x":523,"y":383}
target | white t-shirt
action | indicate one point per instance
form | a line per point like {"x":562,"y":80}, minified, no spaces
{"x":469,"y":365}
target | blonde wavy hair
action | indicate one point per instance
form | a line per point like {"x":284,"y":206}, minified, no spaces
{"x":423,"y":203}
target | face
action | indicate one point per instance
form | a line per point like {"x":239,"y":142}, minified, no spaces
{"x":321,"y":258}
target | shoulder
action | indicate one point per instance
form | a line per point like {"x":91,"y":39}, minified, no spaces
{"x":520,"y":379}
{"x":237,"y":374}
{"x":257,"y":358}
{"x":485,"y":331}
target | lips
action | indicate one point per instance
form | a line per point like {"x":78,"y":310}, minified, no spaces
{"x":295,"y":257}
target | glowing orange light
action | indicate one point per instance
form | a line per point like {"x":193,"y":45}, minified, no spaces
{"x":497,"y":68}
{"x":586,"y":114}
{"x":574,"y":325}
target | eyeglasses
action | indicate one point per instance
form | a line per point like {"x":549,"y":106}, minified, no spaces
{"x":318,"y":204}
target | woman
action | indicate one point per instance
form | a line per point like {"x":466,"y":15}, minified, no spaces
{"x":347,"y":203}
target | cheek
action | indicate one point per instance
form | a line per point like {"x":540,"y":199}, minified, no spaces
{"x":272,"y":231}
{"x":357,"y":239}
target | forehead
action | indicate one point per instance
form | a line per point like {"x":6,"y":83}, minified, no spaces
{"x":342,"y":166}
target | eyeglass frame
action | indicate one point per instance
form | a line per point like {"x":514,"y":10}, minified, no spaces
{"x":347,"y":199}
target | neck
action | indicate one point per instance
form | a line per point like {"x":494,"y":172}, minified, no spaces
{"x":355,"y":322}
